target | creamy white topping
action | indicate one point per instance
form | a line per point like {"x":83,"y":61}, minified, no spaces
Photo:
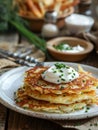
{"x":60,"y":73}
{"x":78,"y":19}
{"x":74,"y":49}
{"x":67,"y":48}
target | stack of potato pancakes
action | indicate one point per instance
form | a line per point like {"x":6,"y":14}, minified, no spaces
{"x":36,"y":94}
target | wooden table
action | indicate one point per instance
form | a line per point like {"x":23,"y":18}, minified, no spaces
{"x":11,"y":120}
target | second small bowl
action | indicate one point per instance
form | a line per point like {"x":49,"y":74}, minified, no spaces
{"x":77,"y":23}
{"x":69,"y":56}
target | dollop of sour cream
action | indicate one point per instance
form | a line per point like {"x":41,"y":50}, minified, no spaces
{"x":74,"y":49}
{"x":60,"y":73}
{"x":70,"y":49}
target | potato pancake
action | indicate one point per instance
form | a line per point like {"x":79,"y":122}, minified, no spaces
{"x":40,"y":95}
{"x":86,"y":82}
{"x":26,"y":102}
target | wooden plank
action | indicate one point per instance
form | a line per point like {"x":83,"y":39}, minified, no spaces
{"x":3,"y":114}
{"x":18,"y":121}
{"x":91,"y":60}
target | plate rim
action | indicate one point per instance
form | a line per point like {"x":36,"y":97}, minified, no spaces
{"x":43,"y":115}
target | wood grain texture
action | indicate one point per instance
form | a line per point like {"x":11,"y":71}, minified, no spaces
{"x":3,"y":114}
{"x":21,"y":122}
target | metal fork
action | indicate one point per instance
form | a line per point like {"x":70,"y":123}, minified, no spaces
{"x":20,"y":59}
{"x":18,"y":55}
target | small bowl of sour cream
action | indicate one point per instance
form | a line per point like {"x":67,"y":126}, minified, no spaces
{"x":69,"y":48}
{"x":77,"y":23}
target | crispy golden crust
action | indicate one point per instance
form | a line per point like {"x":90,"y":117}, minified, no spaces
{"x":63,"y":98}
{"x":84,"y":83}
{"x":39,"y":95}
{"x":27,"y":102}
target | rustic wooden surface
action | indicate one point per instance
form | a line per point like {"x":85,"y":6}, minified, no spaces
{"x":11,"y":120}
{"x":3,"y":115}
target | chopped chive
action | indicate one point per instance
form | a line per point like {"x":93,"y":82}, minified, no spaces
{"x":61,"y":70}
{"x":74,"y":74}
{"x":62,"y":87}
{"x":95,"y":124}
{"x":63,"y":79}
{"x":59,"y":65}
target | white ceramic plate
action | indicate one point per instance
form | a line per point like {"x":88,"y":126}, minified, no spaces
{"x":13,"y":79}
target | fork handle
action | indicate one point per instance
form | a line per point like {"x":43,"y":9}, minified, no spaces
{"x":18,"y":56}
{"x":18,"y":61}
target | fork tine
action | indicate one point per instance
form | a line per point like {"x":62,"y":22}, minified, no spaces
{"x":20,"y":59}
{"x":19,"y":55}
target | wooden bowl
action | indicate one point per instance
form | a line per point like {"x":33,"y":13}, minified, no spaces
{"x":36,"y":24}
{"x":69,"y":56}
